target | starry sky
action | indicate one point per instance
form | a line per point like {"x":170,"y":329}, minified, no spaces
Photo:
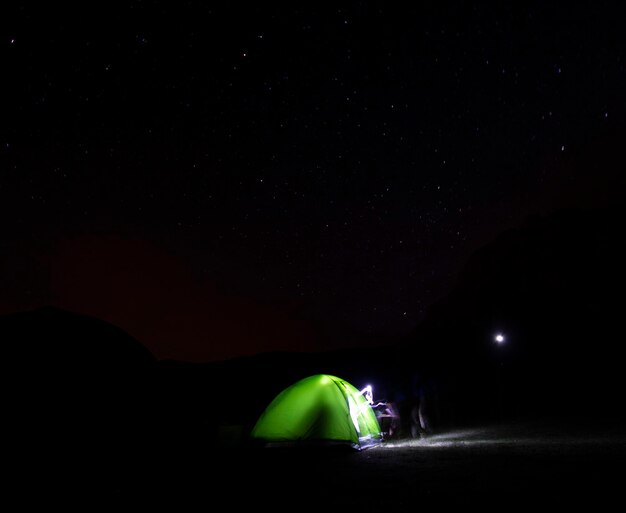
{"x":232,"y":178}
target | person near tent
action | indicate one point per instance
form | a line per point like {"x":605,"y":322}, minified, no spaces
{"x":424,"y":410}
{"x":388,"y":418}
{"x":418,"y":407}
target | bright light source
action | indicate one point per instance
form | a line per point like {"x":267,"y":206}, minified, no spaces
{"x":367,"y":392}
{"x":499,"y":338}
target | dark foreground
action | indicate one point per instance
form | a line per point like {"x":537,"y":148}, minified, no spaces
{"x":497,"y":467}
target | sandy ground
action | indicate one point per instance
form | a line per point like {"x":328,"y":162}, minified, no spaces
{"x":494,"y":467}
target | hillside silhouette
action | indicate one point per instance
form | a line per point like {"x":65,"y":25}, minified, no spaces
{"x":79,"y":394}
{"x":554,"y":288}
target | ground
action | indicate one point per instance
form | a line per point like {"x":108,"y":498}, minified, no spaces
{"x":495,"y":467}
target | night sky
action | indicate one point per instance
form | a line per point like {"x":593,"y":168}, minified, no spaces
{"x":224,"y":179}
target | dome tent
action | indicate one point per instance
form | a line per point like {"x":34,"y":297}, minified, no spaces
{"x":319,"y":409}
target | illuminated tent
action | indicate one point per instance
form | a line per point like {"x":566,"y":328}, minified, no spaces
{"x":320,"y":409}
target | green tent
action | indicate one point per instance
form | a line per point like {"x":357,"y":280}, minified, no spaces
{"x":320,"y":409}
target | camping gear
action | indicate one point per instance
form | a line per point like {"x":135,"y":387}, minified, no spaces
{"x":319,"y":410}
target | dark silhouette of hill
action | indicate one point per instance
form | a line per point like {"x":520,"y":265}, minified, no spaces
{"x":51,"y":334}
{"x":77,"y":387}
{"x":555,"y":288}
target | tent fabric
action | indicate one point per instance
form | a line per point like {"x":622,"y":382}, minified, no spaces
{"x":319,"y":409}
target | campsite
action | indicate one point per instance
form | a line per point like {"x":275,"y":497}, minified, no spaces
{"x":515,"y":463}
{"x":94,"y":416}
{"x":177,"y":435}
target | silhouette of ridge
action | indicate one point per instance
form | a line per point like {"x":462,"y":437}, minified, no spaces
{"x":554,"y":288}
